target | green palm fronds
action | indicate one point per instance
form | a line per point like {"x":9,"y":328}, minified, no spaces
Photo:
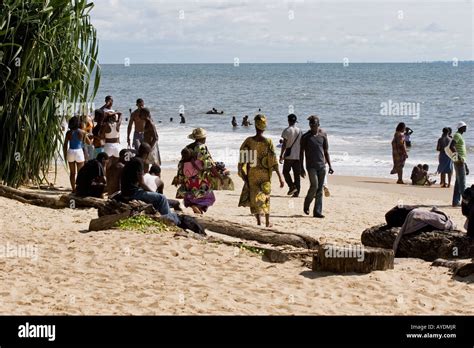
{"x":48,"y":59}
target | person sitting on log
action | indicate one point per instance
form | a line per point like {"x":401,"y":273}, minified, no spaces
{"x":153,"y":180}
{"x":133,"y":186}
{"x":114,"y":171}
{"x":91,"y":179}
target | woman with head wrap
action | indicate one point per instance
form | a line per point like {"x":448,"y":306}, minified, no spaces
{"x":256,"y":164}
{"x":195,"y":172}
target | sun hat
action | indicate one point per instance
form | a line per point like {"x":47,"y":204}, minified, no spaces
{"x":461,"y":124}
{"x":260,"y":122}
{"x":198,"y":133}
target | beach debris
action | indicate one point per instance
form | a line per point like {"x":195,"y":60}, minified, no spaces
{"x":352,"y":258}
{"x":427,"y":246}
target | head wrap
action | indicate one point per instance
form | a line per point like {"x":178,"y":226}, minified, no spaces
{"x":260,"y":122}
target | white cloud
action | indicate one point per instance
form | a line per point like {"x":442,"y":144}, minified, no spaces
{"x":152,"y":31}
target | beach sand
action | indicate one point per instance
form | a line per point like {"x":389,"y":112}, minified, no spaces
{"x":126,"y":272}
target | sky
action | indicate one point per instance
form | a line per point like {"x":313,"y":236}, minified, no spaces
{"x":283,"y":31}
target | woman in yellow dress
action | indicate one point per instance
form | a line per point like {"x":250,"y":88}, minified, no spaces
{"x":257,"y":162}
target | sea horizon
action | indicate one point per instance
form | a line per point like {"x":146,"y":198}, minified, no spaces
{"x":348,"y":99}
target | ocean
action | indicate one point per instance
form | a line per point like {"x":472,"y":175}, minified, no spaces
{"x":359,"y":106}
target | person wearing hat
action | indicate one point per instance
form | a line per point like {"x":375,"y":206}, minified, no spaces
{"x":195,"y":172}
{"x":314,"y":145}
{"x":257,"y":163}
{"x":290,"y":155}
{"x":458,"y":147}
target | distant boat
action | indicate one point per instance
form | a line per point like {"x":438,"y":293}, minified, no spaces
{"x":214,"y":112}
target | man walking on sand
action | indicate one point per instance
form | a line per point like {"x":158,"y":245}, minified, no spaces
{"x":139,"y":123}
{"x":458,"y":147}
{"x":314,"y":145}
{"x":290,"y":155}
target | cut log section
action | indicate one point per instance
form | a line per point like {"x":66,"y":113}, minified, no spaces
{"x":352,"y":258}
{"x":258,"y":234}
{"x":107,"y":222}
{"x":428,"y":246}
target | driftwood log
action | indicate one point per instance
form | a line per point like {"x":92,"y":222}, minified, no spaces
{"x":459,"y":268}
{"x":352,"y":258}
{"x":51,"y":200}
{"x":270,"y":254}
{"x":117,"y":210}
{"x":258,"y":234}
{"x":428,"y":246}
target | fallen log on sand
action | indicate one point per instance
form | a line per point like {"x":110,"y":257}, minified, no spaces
{"x":428,"y":246}
{"x":120,"y":210}
{"x":270,"y":254}
{"x":51,"y":201}
{"x":459,"y":268}
{"x":352,"y":258}
{"x":268,"y":236}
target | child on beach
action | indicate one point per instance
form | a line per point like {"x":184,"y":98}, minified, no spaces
{"x":420,"y":175}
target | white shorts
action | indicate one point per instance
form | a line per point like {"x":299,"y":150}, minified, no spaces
{"x":112,"y":149}
{"x":75,"y":155}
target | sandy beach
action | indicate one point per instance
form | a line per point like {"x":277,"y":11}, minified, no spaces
{"x":76,"y":272}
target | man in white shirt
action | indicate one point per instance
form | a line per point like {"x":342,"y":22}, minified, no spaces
{"x":153,"y":179}
{"x":290,"y":155}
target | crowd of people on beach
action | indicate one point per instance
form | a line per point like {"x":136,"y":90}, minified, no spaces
{"x":99,"y":165}
{"x":452,"y":156}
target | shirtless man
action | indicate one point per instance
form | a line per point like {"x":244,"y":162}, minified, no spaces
{"x":139,"y":126}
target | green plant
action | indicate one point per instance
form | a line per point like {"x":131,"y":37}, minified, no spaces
{"x":254,"y":250}
{"x":48,"y":58}
{"x":144,"y":224}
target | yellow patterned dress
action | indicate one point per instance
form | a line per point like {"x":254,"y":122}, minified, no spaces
{"x":257,"y":162}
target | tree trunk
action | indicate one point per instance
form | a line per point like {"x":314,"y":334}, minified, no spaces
{"x":352,"y":258}
{"x":428,"y":246}
{"x":459,"y":268}
{"x":111,"y":207}
{"x":258,"y":234}
{"x":49,"y":201}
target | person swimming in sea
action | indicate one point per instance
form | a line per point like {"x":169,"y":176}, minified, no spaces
{"x":234,"y":122}
{"x":245,"y":121}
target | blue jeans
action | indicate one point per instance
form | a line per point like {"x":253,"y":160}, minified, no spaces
{"x":316,"y":180}
{"x":460,"y":185}
{"x":160,"y":203}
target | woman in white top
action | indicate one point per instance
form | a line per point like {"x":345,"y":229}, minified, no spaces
{"x":110,"y":131}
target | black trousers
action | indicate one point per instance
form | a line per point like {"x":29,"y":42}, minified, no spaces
{"x":288,"y":165}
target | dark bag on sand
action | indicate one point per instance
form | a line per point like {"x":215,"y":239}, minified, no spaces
{"x":396,"y":216}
